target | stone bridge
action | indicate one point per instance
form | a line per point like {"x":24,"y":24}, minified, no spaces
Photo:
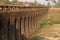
{"x":18,"y":23}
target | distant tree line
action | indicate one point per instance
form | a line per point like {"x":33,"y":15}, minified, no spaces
{"x":35,"y":3}
{"x":7,"y":1}
{"x":57,"y":4}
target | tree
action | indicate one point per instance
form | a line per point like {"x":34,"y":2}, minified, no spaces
{"x":14,"y":1}
{"x":36,"y":3}
{"x":48,"y":4}
{"x":54,"y":1}
{"x":57,"y":4}
{"x":4,"y":1}
{"x":7,"y":1}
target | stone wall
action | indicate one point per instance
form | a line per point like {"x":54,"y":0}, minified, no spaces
{"x":20,"y":24}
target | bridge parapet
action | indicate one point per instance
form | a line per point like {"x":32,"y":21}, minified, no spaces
{"x":19,"y":8}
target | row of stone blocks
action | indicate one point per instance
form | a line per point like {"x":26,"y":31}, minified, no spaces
{"x":13,"y":8}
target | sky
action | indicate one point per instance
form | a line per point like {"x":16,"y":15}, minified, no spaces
{"x":39,"y":1}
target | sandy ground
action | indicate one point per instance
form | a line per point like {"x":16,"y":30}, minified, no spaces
{"x":52,"y":33}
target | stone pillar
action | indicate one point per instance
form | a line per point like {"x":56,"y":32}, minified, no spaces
{"x":1,"y":26}
{"x":12,"y":27}
{"x":30,"y":25}
{"x":5,"y":27}
{"x":26,"y":26}
{"x":6,"y":30}
{"x":34,"y":23}
{"x":38,"y":21}
{"x":39,"y":17}
{"x":18,"y":27}
{"x":22,"y":26}
{"x":33,"y":29}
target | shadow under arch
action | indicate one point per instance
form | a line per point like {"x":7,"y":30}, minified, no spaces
{"x":1,"y":26}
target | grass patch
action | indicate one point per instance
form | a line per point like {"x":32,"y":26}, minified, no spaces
{"x":37,"y":38}
{"x":54,"y":19}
